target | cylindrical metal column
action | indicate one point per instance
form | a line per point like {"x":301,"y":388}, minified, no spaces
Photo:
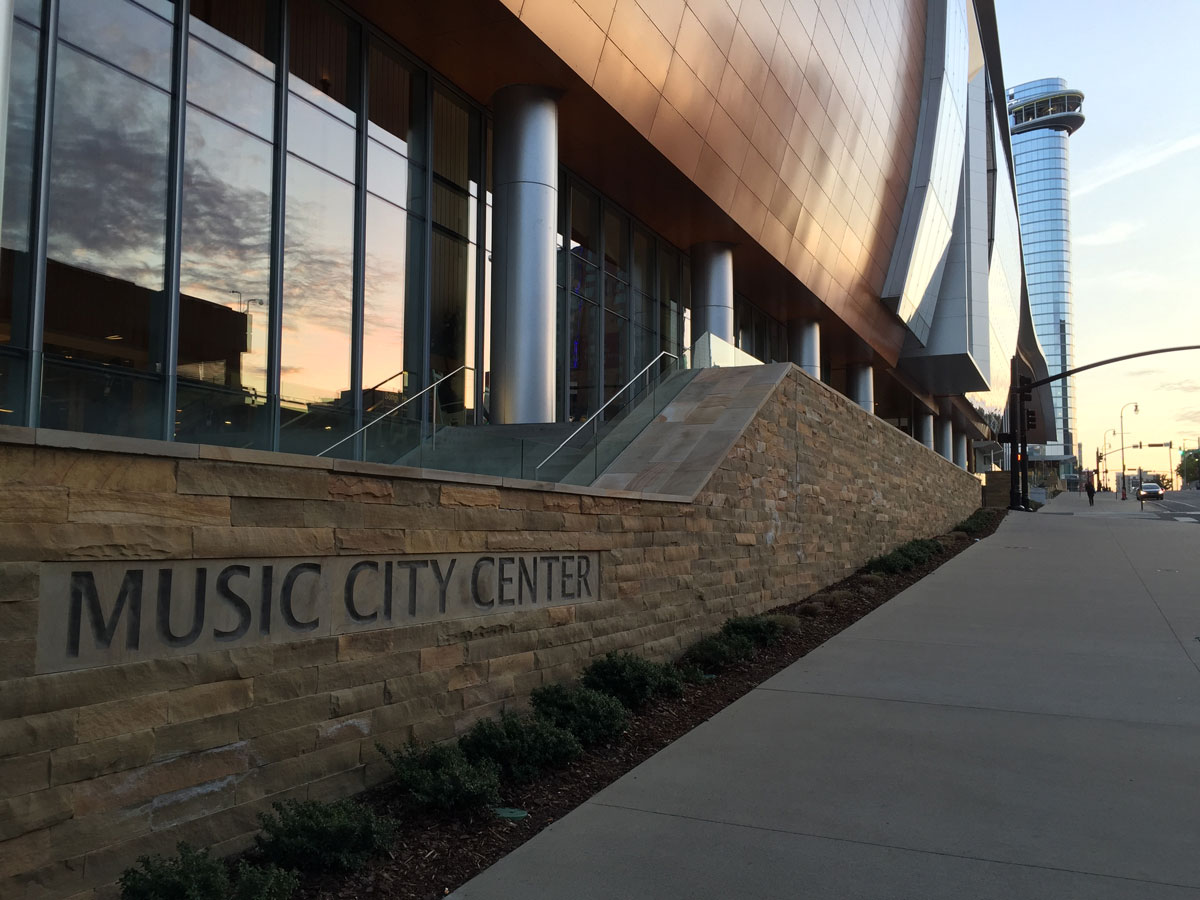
{"x":525,"y":204}
{"x":804,"y":338}
{"x":960,"y":449}
{"x":862,"y":386}
{"x":924,"y":432}
{"x":712,"y":290}
{"x":943,"y":437}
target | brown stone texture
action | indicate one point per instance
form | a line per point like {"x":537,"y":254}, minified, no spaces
{"x":101,"y":765}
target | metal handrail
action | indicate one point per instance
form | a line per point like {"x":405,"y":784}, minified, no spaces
{"x":396,"y":408}
{"x":590,"y":419}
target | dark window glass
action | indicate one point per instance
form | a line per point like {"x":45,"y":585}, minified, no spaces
{"x":452,"y":325}
{"x":668,"y":300}
{"x":616,"y":356}
{"x":107,"y":221}
{"x":582,"y":349}
{"x":18,"y":187}
{"x":225,"y":262}
{"x":316,"y":406}
{"x":616,"y":263}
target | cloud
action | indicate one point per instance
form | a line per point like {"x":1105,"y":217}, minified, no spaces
{"x":1187,"y":387}
{"x":1143,"y":373}
{"x":1132,"y":161}
{"x":1113,"y":234}
{"x":1192,"y":416}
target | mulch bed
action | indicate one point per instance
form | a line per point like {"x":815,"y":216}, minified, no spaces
{"x":436,"y":854}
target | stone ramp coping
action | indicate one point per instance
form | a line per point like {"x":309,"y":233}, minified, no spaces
{"x":678,"y":452}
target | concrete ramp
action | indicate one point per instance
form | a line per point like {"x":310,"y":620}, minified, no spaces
{"x":677,"y":453}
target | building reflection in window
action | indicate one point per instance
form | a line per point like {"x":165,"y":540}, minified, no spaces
{"x":393,"y":329}
{"x":225,"y":260}
{"x":104,"y":271}
{"x":316,"y":405}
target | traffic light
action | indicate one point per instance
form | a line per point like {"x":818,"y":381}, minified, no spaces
{"x":1026,"y":392}
{"x":1030,"y":419}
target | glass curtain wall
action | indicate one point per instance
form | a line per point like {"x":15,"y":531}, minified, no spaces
{"x":225,"y":258}
{"x":624,"y":294}
{"x":331,"y":240}
{"x":105,"y":305}
{"x":761,"y":335}
{"x":394,"y":323}
{"x":453,"y":304}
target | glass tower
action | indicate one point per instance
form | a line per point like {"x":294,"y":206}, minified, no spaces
{"x":1043,"y":114}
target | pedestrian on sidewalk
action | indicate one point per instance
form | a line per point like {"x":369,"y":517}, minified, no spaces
{"x":1091,"y":492}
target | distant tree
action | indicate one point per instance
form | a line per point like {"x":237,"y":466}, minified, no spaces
{"x":1188,"y":469}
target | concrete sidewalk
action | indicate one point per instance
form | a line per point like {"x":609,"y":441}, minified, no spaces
{"x":1023,"y":723}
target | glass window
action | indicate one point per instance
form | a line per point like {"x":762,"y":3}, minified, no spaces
{"x":668,"y":300}
{"x":225,"y":260}
{"x":316,"y":406}
{"x":453,"y":257}
{"x":18,"y":188}
{"x":582,"y":351}
{"x":107,"y":220}
{"x":393,"y":332}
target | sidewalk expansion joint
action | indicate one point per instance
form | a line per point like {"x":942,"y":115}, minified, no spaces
{"x":1000,"y":709}
{"x":884,"y":846}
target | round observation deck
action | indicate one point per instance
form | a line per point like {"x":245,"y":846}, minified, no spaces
{"x":1060,"y":110}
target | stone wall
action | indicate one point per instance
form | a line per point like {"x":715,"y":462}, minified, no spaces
{"x":102,"y":764}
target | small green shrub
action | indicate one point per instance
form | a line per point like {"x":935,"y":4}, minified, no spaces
{"x":520,"y":746}
{"x":889,"y":564}
{"x":263,"y":883}
{"x":759,"y":630}
{"x":632,"y":680}
{"x":920,"y":551}
{"x":594,"y":718}
{"x":716,"y":653}
{"x":787,"y":624}
{"x":194,"y":875}
{"x":836,"y":599}
{"x":976,"y":523}
{"x":811,"y":609}
{"x":441,"y":777}
{"x":322,"y":837}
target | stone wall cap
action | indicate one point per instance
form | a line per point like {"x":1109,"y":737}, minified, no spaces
{"x":111,"y":443}
{"x":107,"y":443}
{"x":267,"y":457}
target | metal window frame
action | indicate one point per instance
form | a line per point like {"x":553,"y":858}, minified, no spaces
{"x":173,"y":246}
{"x":39,"y":224}
{"x":278,"y":209}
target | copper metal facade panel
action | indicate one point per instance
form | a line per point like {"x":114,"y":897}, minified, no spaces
{"x":774,"y":108}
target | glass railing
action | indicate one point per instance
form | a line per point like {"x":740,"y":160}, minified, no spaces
{"x":584,"y":456}
{"x":408,"y":422}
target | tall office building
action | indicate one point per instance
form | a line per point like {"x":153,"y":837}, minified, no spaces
{"x":1043,"y":115}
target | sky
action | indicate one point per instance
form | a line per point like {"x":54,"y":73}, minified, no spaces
{"x":1135,"y":206}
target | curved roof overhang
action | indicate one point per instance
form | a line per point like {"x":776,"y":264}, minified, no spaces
{"x":1065,"y":121}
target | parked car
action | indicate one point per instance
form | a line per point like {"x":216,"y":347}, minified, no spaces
{"x":1150,"y":491}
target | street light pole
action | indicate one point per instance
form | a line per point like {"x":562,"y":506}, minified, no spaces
{"x":1122,"y":418}
{"x":1106,"y":433}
